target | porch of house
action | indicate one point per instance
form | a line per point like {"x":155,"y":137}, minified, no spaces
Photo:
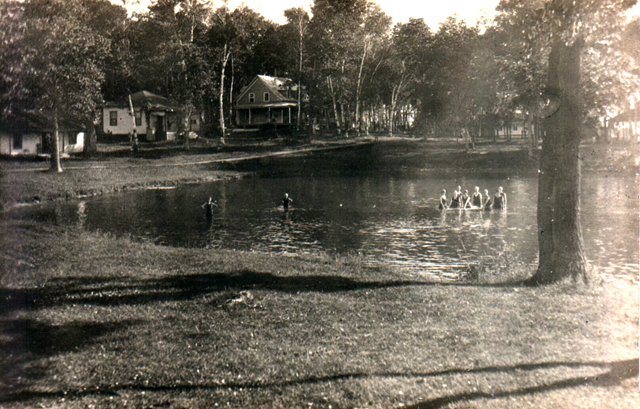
{"x":259,"y":116}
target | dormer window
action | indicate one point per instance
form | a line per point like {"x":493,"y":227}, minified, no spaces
{"x":252,"y":97}
{"x":266,"y":97}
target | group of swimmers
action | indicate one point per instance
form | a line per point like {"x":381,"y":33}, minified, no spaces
{"x":462,"y":200}
{"x":459,"y":200}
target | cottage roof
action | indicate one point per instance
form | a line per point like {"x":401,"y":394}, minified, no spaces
{"x":32,"y":121}
{"x":148,"y":101}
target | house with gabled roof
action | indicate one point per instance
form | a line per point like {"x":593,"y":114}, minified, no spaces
{"x":267,"y":100}
{"x":156,"y":118}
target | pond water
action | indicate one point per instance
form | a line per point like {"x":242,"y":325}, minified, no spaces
{"x":387,"y":217}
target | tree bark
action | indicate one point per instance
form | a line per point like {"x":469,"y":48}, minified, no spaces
{"x":359,"y":88}
{"x":55,"y":147}
{"x":559,"y":231}
{"x":395,"y":92}
{"x":231,"y":122}
{"x":90,"y":140}
{"x":300,"y":37}
{"x":528,"y":126}
{"x":335,"y":107}
{"x":225,"y":58}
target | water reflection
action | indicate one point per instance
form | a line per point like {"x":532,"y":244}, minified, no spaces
{"x":388,"y":219}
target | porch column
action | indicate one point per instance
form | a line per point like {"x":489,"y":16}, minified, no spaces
{"x":249,"y":116}
{"x":289,"y":115}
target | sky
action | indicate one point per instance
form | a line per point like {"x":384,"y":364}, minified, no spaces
{"x":433,"y":11}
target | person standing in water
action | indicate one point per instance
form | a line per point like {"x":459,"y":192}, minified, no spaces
{"x":208,"y":206}
{"x":500,"y":199}
{"x":465,"y":200}
{"x":486,"y":205}
{"x":285,"y":201}
{"x":455,"y":199}
{"x":476,"y":198}
{"x":443,"y":200}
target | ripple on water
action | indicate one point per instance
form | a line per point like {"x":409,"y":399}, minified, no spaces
{"x":385,"y":218}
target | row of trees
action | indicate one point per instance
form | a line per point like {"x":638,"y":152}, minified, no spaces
{"x":360,"y":72}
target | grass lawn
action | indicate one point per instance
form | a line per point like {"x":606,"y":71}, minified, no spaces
{"x":92,"y":321}
{"x":88,"y":320}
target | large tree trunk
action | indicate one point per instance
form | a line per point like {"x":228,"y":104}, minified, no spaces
{"x":56,"y":166}
{"x":528,"y":126}
{"x":90,"y":140}
{"x":559,"y":231}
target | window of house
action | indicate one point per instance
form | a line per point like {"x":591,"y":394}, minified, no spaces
{"x":252,"y":97}
{"x":266,"y":97}
{"x":17,"y":142}
{"x":73,"y":138}
{"x":113,"y":118}
{"x":138,"y":118}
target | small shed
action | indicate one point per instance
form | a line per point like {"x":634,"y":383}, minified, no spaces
{"x":267,"y":100}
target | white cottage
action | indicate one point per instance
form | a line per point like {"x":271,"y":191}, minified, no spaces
{"x":30,"y":135}
{"x":156,"y":118}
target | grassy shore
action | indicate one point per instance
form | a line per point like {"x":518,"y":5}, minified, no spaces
{"x":91,"y":320}
{"x":115,"y":170}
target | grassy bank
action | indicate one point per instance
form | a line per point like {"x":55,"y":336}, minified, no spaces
{"x":90,"y":320}
{"x":28,"y":181}
{"x":114,"y":170}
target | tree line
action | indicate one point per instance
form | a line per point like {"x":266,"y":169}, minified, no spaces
{"x":361,"y":72}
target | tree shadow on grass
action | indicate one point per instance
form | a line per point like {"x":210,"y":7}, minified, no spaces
{"x":616,"y":373}
{"x":127,"y":291}
{"x":25,"y":342}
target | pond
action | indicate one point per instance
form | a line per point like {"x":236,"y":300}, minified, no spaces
{"x":388,"y":217}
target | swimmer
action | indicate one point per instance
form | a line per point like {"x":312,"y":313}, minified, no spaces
{"x":208,"y":206}
{"x":486,"y":205}
{"x":286,"y":200}
{"x":500,"y":199}
{"x":465,"y":200}
{"x":443,"y":200}
{"x":455,"y":199}
{"x":476,"y":198}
